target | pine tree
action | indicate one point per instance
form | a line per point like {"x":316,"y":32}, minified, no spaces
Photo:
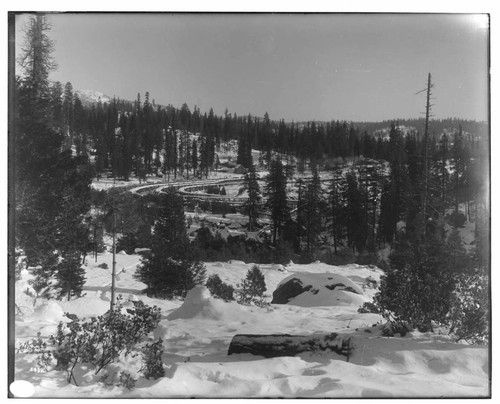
{"x":182,"y":151}
{"x":51,"y":194}
{"x":335,"y":210}
{"x":170,"y":270}
{"x":170,"y":158}
{"x":244,"y":155}
{"x":148,"y":135}
{"x":275,"y":191}
{"x":439,"y":177}
{"x":68,"y":108}
{"x":219,"y":289}
{"x":386,"y":229}
{"x":185,"y":116}
{"x":194,"y":156}
{"x":78,"y":129}
{"x":252,"y":288}
{"x":416,"y":182}
{"x":418,"y":289}
{"x":37,"y":61}
{"x":301,"y":190}
{"x":311,"y":207}
{"x":252,"y":203}
{"x":355,"y":214}
{"x":398,"y":194}
{"x":369,"y":183}
{"x":459,"y":163}
{"x":70,"y":277}
{"x":56,"y":98}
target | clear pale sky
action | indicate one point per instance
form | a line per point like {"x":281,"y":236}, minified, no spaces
{"x":355,"y":67}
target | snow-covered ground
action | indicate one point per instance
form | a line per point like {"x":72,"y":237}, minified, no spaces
{"x":197,"y":333}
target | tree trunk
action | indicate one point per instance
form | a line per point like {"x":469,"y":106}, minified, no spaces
{"x":275,"y":230}
{"x":276,"y":345}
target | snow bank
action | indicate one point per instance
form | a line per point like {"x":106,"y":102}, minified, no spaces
{"x":49,"y":311}
{"x":273,"y":267}
{"x":198,"y":331}
{"x":92,"y":305}
{"x":199,"y":303}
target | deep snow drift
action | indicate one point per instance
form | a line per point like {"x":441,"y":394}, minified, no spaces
{"x":197,"y":332}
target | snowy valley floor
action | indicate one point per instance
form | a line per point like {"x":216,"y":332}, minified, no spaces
{"x":197,"y":337}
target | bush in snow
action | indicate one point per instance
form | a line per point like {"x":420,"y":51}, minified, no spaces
{"x":120,"y":379}
{"x":251,"y":290}
{"x":419,"y":287}
{"x":469,"y":313}
{"x":219,"y":289}
{"x":390,"y":329}
{"x":126,"y":380}
{"x":152,"y":360}
{"x":101,"y":340}
{"x":369,"y":307}
{"x":37,"y":346}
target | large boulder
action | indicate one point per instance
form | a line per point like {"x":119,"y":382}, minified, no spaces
{"x":323,"y":289}
{"x":288,"y":290}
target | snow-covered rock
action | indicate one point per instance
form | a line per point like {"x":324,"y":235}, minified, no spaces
{"x":92,"y":97}
{"x":320,"y":289}
{"x":273,"y":267}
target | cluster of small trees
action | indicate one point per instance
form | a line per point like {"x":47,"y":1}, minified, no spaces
{"x":361,"y":208}
{"x":345,"y":212}
{"x":213,"y":247}
{"x":433,"y":281}
{"x":250,"y":291}
{"x":431,"y":278}
{"x":137,"y":138}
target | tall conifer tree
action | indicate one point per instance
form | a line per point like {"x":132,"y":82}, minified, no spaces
{"x":51,"y":189}
{"x":170,"y":269}
{"x":252,"y":204}
{"x":275,"y":191}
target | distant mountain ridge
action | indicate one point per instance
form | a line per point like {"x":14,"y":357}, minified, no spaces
{"x":437,"y":126}
{"x":88,"y":97}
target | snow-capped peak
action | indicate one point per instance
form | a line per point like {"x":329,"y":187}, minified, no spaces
{"x":92,"y":96}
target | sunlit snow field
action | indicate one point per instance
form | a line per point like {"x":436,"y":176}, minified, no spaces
{"x":197,"y":333}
